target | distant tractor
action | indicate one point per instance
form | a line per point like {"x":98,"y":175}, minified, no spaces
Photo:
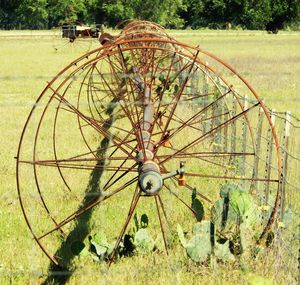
{"x":73,"y":32}
{"x":76,"y":38}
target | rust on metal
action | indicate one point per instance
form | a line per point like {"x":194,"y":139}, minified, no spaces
{"x":129,"y":112}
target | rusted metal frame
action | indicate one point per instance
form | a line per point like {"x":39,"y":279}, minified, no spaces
{"x":85,"y":167}
{"x":164,"y":210}
{"x":125,"y":71}
{"x":97,"y":121}
{"x":109,"y":180}
{"x":181,"y":200}
{"x":195,"y":116}
{"x":100,"y":149}
{"x":186,"y":184}
{"x":215,"y":117}
{"x":34,"y":166}
{"x":161,"y":224}
{"x":89,"y":95}
{"x":93,"y":118}
{"x":18,"y":156}
{"x":194,"y":189}
{"x":229,"y":88}
{"x":210,"y":55}
{"x":78,"y":166}
{"x":223,"y":166}
{"x":94,"y":87}
{"x":73,"y":160}
{"x":221,"y":62}
{"x":135,"y":199}
{"x":179,"y":119}
{"x":178,"y":73}
{"x":285,"y":147}
{"x":230,"y":177}
{"x":93,"y":99}
{"x":190,"y":98}
{"x":254,"y":184}
{"x":105,"y":121}
{"x":136,"y":23}
{"x":94,"y":124}
{"x":126,"y":111}
{"x":54,"y":141}
{"x":122,"y":129}
{"x":125,"y":108}
{"x":177,"y":97}
{"x":152,"y":79}
{"x":113,"y":67}
{"x":92,"y":203}
{"x":208,"y":154}
{"x":202,"y":137}
{"x":162,"y":93}
{"x":171,"y":65}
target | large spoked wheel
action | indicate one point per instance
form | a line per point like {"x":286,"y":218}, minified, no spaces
{"x":138,"y":125}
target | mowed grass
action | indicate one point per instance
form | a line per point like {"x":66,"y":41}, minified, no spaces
{"x":271,"y":63}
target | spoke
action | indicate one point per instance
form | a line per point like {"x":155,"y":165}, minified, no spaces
{"x":190,"y":120}
{"x":229,"y":177}
{"x":93,"y":123}
{"x":164,"y":211}
{"x":211,"y":132}
{"x":161,"y":224}
{"x":178,"y":95}
{"x":207,"y":154}
{"x":181,"y":200}
{"x":186,"y":185}
{"x":87,"y":207}
{"x":133,"y":205}
{"x":129,"y":113}
{"x":55,"y":163}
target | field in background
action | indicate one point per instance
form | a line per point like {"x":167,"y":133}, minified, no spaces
{"x":271,"y":63}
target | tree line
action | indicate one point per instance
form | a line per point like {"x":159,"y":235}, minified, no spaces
{"x":270,"y":15}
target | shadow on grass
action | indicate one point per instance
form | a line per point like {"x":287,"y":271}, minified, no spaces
{"x":65,"y":254}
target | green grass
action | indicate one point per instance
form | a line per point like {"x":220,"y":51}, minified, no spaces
{"x":271,"y":63}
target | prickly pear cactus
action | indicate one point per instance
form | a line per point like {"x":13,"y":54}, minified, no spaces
{"x":143,"y":241}
{"x":198,"y":248}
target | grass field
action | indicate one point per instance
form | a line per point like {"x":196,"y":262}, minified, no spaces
{"x":271,"y":63}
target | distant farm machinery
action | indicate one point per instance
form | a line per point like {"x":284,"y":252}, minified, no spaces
{"x":144,"y":123}
{"x":73,"y":32}
{"x":80,"y":37}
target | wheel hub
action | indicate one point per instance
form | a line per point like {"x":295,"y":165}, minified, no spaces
{"x":151,"y":182}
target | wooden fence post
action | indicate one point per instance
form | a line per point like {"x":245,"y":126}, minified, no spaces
{"x":254,"y":184}
{"x":284,"y":162}
{"x":205,"y":100}
{"x":269,"y":157}
{"x":244,"y":142}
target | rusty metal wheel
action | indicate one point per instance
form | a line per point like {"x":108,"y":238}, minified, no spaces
{"x":136,"y":125}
